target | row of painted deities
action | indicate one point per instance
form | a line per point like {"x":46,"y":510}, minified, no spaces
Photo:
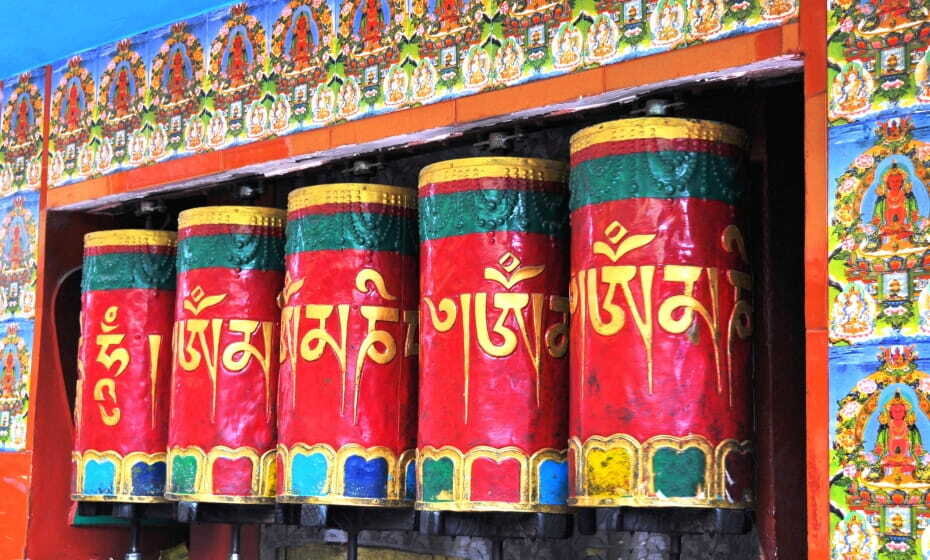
{"x":510,"y":336}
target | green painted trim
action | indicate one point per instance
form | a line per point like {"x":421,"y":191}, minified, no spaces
{"x":437,"y":479}
{"x":679,"y":474}
{"x":126,"y":271}
{"x":669,"y":174}
{"x":240,"y":251}
{"x":366,"y":231}
{"x":98,"y":521}
{"x":183,"y":475}
{"x":492,"y":210}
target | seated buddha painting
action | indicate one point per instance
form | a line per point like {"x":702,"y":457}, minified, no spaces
{"x":881,"y":227}
{"x":897,"y":198}
{"x":880,"y":473}
{"x":896,"y":440}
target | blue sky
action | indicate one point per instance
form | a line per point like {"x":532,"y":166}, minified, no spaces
{"x":37,"y":32}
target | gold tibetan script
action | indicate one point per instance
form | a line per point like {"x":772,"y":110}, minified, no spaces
{"x":677,"y":314}
{"x":200,"y":341}
{"x":528,"y":310}
{"x":115,"y":358}
{"x":378,"y":345}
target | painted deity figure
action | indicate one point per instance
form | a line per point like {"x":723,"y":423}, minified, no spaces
{"x":217,"y":132}
{"x":891,"y":13}
{"x":509,"y":61}
{"x":777,"y":8}
{"x":371,"y":26}
{"x":707,"y":18}
{"x":853,"y":92}
{"x":280,"y":113}
{"x":667,"y":22}
{"x":122,"y":98}
{"x":852,"y":541}
{"x":899,"y":442}
{"x":16,"y":251}
{"x":22,"y":121}
{"x":73,"y":116}
{"x":302,"y":47}
{"x":86,"y":159}
{"x":853,"y":315}
{"x":569,"y":46}
{"x":477,"y":68}
{"x":448,"y":14}
{"x":397,"y":87}
{"x":602,"y":39}
{"x":895,"y":208}
{"x":105,"y":155}
{"x":177,"y":81}
{"x":893,"y":64}
{"x":348,"y":98}
{"x":159,"y":141}
{"x":257,"y":120}
{"x":8,"y":386}
{"x":424,"y":80}
{"x":194,"y":133}
{"x":323,"y":101}
{"x":237,"y":62}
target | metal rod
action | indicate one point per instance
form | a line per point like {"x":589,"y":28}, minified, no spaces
{"x":134,"y":553}
{"x":674,"y":546}
{"x":497,"y":549}
{"x":234,"y":543}
{"x":351,"y":545}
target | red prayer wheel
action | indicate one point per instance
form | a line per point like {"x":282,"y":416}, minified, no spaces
{"x":347,"y":392}
{"x":124,"y":364}
{"x":661,"y":317}
{"x":222,"y":430}
{"x":494,"y":335}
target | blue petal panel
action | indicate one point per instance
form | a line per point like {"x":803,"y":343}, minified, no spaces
{"x":99,"y":477}
{"x":148,"y":480}
{"x":553,"y":483}
{"x":366,"y":479}
{"x":410,"y":481}
{"x":308,"y":475}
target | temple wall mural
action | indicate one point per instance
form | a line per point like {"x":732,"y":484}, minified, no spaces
{"x":264,"y":69}
{"x":22,"y":104}
{"x":879,"y":278}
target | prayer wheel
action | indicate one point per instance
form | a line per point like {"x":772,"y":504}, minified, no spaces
{"x":222,"y":430}
{"x":494,"y":335}
{"x":124,"y":365}
{"x":661,"y":316}
{"x":347,"y":394}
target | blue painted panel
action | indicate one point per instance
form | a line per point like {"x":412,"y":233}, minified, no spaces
{"x":410,"y":481}
{"x":148,"y":480}
{"x":99,"y":477}
{"x":308,"y":475}
{"x":366,"y":479}
{"x":553,"y":483}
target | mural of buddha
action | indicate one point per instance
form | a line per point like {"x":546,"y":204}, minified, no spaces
{"x":73,"y":115}
{"x":895,"y":211}
{"x":8,"y":386}
{"x":177,"y":82}
{"x":121,"y":100}
{"x":238,"y":61}
{"x":22,"y":121}
{"x":899,"y":442}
